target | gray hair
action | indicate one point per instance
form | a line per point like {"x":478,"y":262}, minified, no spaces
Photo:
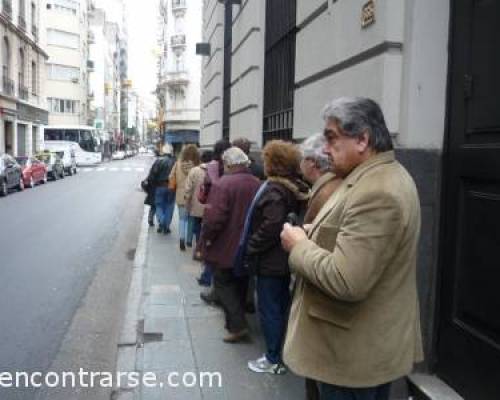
{"x":235,"y":156}
{"x":355,"y":115}
{"x":312,"y":148}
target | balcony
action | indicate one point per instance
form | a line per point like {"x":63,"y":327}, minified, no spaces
{"x":178,"y":41}
{"x":34,"y":32}
{"x":179,"y":7}
{"x":23,"y":92}
{"x":22,"y":22}
{"x":7,"y":7}
{"x":8,"y":86}
{"x":176,"y":78}
{"x":90,"y":66}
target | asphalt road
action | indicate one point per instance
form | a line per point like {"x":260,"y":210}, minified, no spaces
{"x":54,"y":241}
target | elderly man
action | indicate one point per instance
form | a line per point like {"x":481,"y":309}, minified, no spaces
{"x":316,"y":167}
{"x":223,"y":226}
{"x":354,"y":323}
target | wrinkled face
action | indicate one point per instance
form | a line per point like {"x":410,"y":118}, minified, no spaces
{"x":308,"y":169}
{"x":346,"y":152}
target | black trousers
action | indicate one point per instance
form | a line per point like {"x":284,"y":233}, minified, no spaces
{"x":231,"y":291}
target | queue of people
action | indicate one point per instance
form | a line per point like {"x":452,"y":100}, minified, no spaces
{"x":324,"y":235}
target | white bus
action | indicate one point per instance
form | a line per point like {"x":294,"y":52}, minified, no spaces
{"x":87,"y":151}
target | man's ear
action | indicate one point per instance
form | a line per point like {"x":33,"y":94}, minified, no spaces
{"x":363,"y":141}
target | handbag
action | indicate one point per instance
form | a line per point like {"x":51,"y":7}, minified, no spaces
{"x":172,"y":182}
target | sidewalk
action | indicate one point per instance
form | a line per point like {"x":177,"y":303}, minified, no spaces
{"x":182,"y":334}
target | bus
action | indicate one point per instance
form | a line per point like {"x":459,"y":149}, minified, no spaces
{"x":87,"y":151}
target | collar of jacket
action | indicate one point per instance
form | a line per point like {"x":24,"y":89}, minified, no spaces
{"x":297,"y":188}
{"x":386,"y":157}
{"x":239,"y":170}
{"x":322,"y":180}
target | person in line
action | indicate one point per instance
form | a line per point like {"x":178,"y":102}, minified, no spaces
{"x":193,"y":206}
{"x":215,"y":170}
{"x":256,"y":168}
{"x":223,"y":224}
{"x":354,"y":324}
{"x":164,"y":197}
{"x":189,"y":158}
{"x":284,"y":193}
{"x":316,"y":168}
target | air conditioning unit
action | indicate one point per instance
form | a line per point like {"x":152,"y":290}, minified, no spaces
{"x":75,"y":80}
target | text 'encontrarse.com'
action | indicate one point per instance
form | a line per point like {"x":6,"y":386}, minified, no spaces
{"x":90,"y":379}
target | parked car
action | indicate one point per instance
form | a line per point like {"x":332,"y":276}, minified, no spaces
{"x":118,"y":155}
{"x":11,"y":175}
{"x":55,"y":166}
{"x":67,"y":152}
{"x":34,"y":171}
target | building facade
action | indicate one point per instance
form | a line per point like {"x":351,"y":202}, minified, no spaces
{"x":179,"y":70}
{"x":66,"y":37}
{"x":431,"y":66}
{"x":23,"y":109}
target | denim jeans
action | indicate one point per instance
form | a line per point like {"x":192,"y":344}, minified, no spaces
{"x":332,"y":392}
{"x":183,"y":222}
{"x":164,"y":203}
{"x":206,"y":275}
{"x":193,"y":228}
{"x":273,"y":301}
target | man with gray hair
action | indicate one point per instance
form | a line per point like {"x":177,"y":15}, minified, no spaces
{"x":354,"y":323}
{"x":316,"y":168}
{"x":223,"y":225}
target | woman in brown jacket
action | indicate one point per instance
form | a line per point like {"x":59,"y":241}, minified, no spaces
{"x":189,"y":158}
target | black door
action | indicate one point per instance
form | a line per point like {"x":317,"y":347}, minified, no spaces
{"x":279,"y":69}
{"x":469,"y":326}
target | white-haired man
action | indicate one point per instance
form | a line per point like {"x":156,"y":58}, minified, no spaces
{"x":354,"y":322}
{"x":223,"y":225}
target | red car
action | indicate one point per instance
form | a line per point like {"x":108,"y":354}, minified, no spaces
{"x":34,"y":171}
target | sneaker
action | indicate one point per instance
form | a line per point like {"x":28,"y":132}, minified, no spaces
{"x":182,"y":245}
{"x":236,"y":336}
{"x":262,"y":365}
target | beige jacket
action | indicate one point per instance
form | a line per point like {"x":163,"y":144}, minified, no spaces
{"x":354,"y":319}
{"x":193,"y":182}
{"x":180,"y":170}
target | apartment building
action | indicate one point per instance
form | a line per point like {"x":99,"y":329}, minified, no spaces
{"x":22,"y":96}
{"x":180,"y":70}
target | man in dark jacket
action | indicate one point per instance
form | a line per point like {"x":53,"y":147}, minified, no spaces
{"x":164,"y":197}
{"x":223,"y":224}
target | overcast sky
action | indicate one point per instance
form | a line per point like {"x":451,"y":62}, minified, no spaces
{"x":142,"y":30}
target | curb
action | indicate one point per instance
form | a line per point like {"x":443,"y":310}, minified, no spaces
{"x":130,"y":336}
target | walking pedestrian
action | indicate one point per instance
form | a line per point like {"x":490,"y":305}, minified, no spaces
{"x":189,"y":158}
{"x":148,"y":185}
{"x":284,"y":193}
{"x":354,"y":324}
{"x":223,"y":224}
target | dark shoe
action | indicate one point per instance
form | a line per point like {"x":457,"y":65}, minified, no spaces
{"x":160,"y":229}
{"x":182,"y":245}
{"x":151,"y":223}
{"x":189,"y":244}
{"x":209,"y":297}
{"x":236,"y":337}
{"x":250,"y":308}
{"x":167,"y":231}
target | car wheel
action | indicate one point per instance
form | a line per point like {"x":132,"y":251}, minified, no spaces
{"x":20,"y":187}
{"x":4,"y":190}
{"x":32,"y":182}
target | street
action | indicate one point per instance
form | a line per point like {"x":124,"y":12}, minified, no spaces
{"x":57,"y":241}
